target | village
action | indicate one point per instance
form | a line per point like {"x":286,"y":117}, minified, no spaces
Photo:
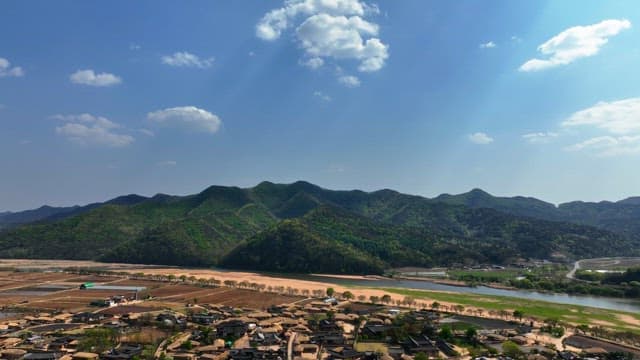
{"x":83,"y":315}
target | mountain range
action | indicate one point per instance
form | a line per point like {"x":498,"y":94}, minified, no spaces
{"x":302,"y":227}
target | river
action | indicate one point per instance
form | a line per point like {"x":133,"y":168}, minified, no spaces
{"x":620,"y":304}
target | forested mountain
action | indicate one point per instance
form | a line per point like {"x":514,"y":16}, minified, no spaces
{"x":51,"y":213}
{"x":622,"y":217}
{"x":301,"y":227}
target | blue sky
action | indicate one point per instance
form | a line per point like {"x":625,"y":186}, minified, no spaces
{"x":107,"y":98}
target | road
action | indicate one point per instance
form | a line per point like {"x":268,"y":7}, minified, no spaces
{"x":292,"y":337}
{"x":572,"y":274}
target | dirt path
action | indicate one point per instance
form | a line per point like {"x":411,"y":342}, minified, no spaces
{"x":572,"y":274}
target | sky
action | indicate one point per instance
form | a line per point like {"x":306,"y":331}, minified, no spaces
{"x":105,"y":98}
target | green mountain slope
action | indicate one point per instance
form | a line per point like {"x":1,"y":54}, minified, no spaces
{"x":622,"y":217}
{"x":490,"y":237}
{"x":282,"y":227}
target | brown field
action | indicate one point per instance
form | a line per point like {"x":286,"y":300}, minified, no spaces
{"x":128,"y":309}
{"x":149,"y":284}
{"x":168,"y":291}
{"x":93,"y":279}
{"x":37,"y":290}
{"x":247,"y":298}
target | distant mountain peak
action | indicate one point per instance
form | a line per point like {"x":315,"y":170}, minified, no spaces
{"x":479,"y":192}
{"x":634,"y":200}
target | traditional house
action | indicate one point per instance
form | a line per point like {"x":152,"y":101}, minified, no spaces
{"x":420,"y":344}
{"x":232,"y":328}
{"x":344,"y":353}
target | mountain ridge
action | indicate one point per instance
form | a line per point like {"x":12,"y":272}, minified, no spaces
{"x":224,"y":225}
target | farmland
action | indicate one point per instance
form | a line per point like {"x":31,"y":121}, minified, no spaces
{"x":60,"y":291}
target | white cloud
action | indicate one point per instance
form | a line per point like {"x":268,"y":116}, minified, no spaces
{"x":6,"y":70}
{"x":185,"y":59}
{"x":313,"y":63}
{"x":480,"y":138}
{"x":134,"y":47}
{"x":516,"y":39}
{"x":605,"y":146}
{"x":540,"y":137}
{"x":91,"y":78}
{"x":147,"y":132}
{"x":167,"y":163}
{"x":349,"y":81}
{"x":88,"y":119}
{"x":575,"y":43}
{"x":617,"y":117}
{"x":87,"y":129}
{"x":330,"y":29}
{"x":188,"y":116}
{"x":488,"y":45}
{"x":322,"y":96}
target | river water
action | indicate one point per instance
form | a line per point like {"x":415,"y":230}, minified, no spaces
{"x":584,"y":300}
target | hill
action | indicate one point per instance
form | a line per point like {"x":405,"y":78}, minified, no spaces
{"x":622,"y":217}
{"x":50,"y":213}
{"x":286,"y":227}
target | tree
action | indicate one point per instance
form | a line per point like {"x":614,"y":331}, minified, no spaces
{"x":362,"y":298}
{"x":511,"y":349}
{"x":348,"y":295}
{"x":330,"y":292}
{"x":386,"y":298}
{"x":446,"y":333}
{"x":98,"y":340}
{"x":470,"y":334}
{"x":374,"y":299}
{"x":421,"y":356}
{"x":518,"y":314}
{"x":408,"y":300}
{"x":435,"y":305}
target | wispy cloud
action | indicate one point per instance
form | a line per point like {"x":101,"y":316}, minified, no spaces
{"x":349,"y":81}
{"x":480,"y":138}
{"x":186,"y":59}
{"x":91,"y":78}
{"x":6,"y":70}
{"x":322,"y":96}
{"x":488,"y":45}
{"x":167,"y":163}
{"x":87,"y":129}
{"x":312,"y":63}
{"x":147,"y":132}
{"x":187,"y":116}
{"x":540,"y":137}
{"x":606,"y":146}
{"x":575,"y":43}
{"x":618,"y":119}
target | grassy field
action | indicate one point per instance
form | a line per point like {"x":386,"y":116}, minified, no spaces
{"x":493,"y":275}
{"x":537,"y":309}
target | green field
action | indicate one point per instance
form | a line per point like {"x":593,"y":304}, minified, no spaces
{"x":540,"y":310}
{"x":486,"y":275}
